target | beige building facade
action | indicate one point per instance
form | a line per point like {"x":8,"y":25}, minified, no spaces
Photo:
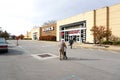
{"x":114,"y":19}
{"x":27,"y":35}
{"x":34,"y":33}
{"x":78,"y":27}
{"x":37,"y":33}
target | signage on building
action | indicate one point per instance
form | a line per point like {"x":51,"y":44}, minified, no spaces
{"x":62,"y":33}
{"x":48,"y":29}
{"x":74,"y":32}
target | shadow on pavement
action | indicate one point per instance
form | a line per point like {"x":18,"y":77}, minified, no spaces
{"x":11,"y":52}
{"x":81,"y":59}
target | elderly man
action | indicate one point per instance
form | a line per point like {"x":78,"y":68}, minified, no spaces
{"x":61,"y":49}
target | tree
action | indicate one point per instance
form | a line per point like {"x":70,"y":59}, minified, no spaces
{"x":4,"y":34}
{"x":13,"y":37}
{"x":108,"y":34}
{"x":49,"y":22}
{"x":99,"y":32}
{"x":21,"y":36}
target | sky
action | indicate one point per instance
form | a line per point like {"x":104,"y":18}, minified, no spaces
{"x":19,"y":16}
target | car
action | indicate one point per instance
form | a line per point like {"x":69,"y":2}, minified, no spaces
{"x":3,"y":45}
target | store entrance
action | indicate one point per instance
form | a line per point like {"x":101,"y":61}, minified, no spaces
{"x":76,"y":35}
{"x":76,"y":38}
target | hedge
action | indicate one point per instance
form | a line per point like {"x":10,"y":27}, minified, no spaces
{"x":111,"y":42}
{"x":48,"y":38}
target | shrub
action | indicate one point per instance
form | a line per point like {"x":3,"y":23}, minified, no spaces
{"x":114,"y":38}
{"x":116,"y":43}
{"x":48,"y":38}
{"x":107,"y":42}
{"x":111,"y":42}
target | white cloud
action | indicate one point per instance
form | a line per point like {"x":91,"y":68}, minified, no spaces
{"x":15,"y":15}
{"x":19,"y":16}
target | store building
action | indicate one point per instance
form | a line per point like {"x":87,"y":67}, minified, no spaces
{"x":27,"y":35}
{"x":48,"y":30}
{"x":35,"y":33}
{"x":38,"y":33}
{"x":78,"y":27}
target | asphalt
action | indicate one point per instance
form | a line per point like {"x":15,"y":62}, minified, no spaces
{"x":82,"y":64}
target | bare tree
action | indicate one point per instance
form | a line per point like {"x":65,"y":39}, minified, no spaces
{"x":99,"y":32}
{"x":49,"y":22}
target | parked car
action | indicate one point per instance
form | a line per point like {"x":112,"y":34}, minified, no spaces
{"x":3,"y":45}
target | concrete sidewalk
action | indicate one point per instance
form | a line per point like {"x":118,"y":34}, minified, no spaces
{"x":105,"y":47}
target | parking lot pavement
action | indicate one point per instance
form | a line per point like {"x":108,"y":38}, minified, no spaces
{"x":41,"y":62}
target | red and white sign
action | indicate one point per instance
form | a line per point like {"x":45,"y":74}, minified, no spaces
{"x":62,"y":33}
{"x":74,"y":32}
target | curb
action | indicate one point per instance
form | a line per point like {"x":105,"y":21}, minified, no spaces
{"x":98,"y":47}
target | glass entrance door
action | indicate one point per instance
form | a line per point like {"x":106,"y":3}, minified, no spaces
{"x":76,"y":38}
